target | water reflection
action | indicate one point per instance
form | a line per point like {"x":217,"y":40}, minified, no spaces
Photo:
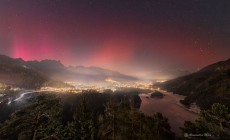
{"x":170,"y":107}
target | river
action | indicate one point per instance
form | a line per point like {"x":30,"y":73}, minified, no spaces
{"x":170,"y":107}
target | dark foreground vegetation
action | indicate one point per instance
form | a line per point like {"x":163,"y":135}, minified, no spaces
{"x":213,"y":123}
{"x":86,"y":116}
{"x":116,"y":116}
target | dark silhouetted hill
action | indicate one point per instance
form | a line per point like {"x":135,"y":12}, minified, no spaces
{"x":15,"y":72}
{"x":157,"y":94}
{"x":31,"y":74}
{"x":205,"y":87}
{"x":57,"y":71}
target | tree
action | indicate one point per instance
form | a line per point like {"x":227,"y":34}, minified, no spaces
{"x":161,"y":127}
{"x":83,"y":127}
{"x":215,"y":121}
{"x":39,"y":120}
{"x":124,"y":121}
{"x":108,"y":122}
{"x":219,"y":118}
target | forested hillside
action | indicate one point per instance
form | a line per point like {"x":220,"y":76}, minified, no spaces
{"x":205,"y":87}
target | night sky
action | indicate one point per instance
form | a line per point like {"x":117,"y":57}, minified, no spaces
{"x":137,"y":37}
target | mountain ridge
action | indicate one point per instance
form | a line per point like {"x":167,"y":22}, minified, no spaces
{"x":14,"y":72}
{"x":47,"y":70}
{"x":205,"y":87}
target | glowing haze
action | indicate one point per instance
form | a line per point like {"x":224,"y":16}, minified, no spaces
{"x":140,"y":38}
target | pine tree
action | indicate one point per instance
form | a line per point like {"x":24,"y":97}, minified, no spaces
{"x":83,"y":126}
{"x":215,"y":121}
{"x":40,"y":119}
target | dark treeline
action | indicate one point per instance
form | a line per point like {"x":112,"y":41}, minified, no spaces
{"x":105,"y":116}
{"x":213,"y":123}
{"x":90,"y":115}
{"x":96,"y":101}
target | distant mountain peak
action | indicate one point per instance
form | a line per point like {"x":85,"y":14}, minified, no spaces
{"x":54,"y":69}
{"x":47,"y":64}
{"x":52,"y":62}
